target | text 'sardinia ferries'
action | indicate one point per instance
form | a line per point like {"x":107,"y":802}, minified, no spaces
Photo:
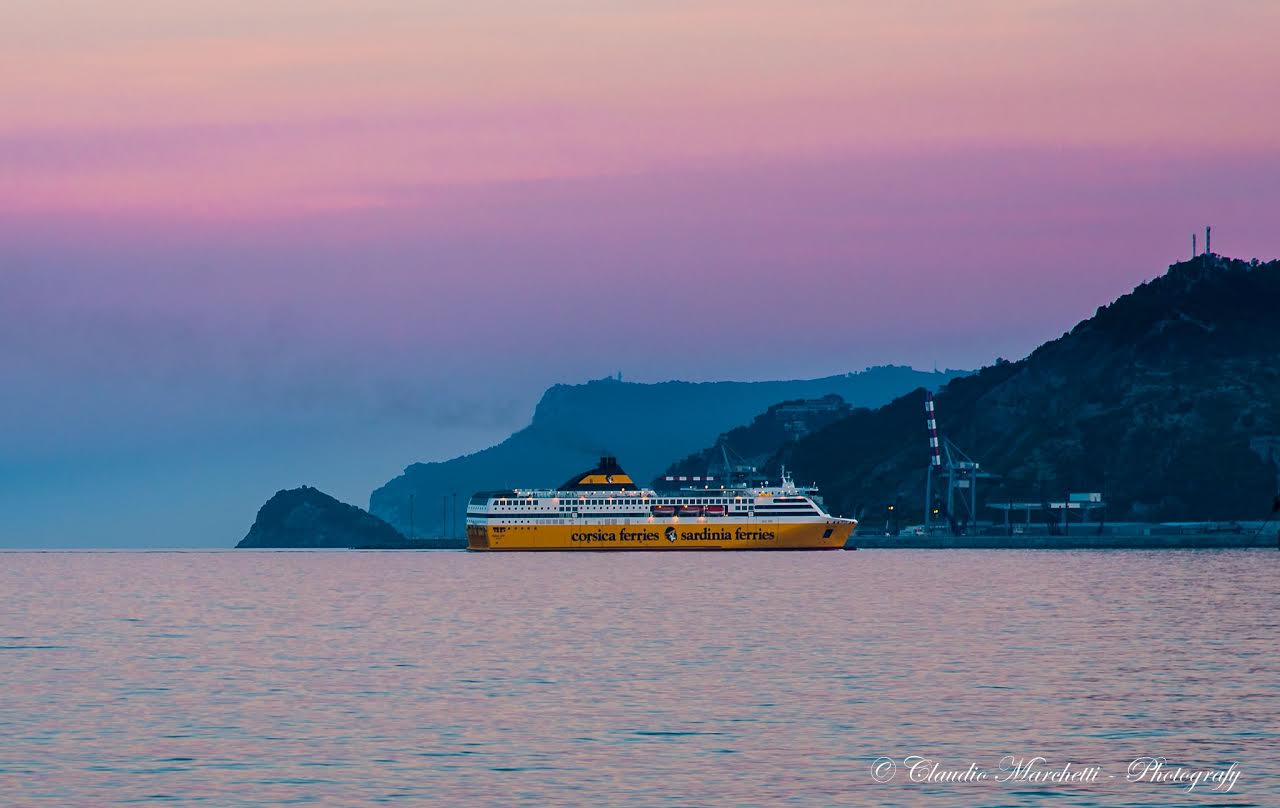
{"x":603,"y":509}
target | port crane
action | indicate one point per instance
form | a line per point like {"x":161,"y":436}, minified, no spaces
{"x":960,"y":473}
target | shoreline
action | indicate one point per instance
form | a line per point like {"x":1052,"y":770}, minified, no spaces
{"x":1191,"y":541}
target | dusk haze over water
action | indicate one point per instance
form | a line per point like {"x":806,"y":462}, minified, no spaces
{"x":654,"y":403}
{"x":247,"y":245}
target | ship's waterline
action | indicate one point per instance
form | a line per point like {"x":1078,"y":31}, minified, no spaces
{"x":827,"y":535}
{"x":602,"y":509}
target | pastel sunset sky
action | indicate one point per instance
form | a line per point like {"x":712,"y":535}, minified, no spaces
{"x":249,"y":245}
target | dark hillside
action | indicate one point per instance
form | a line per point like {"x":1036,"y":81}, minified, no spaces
{"x":1165,"y":401}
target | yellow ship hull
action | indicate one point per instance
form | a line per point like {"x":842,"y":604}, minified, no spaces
{"x":824,"y":535}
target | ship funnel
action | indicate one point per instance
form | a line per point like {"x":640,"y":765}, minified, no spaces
{"x":606,"y":476}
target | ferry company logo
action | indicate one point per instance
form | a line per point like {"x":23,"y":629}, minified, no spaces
{"x":608,"y":478}
{"x":671,"y":535}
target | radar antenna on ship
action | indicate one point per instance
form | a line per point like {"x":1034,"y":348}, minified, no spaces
{"x":788,"y":482}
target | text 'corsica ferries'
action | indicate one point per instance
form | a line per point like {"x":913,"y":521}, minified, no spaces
{"x":604,"y":510}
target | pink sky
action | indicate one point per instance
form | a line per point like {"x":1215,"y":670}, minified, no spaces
{"x":234,"y":109}
{"x":392,"y":224}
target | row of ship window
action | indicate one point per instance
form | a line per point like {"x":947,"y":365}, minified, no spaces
{"x":574,"y":504}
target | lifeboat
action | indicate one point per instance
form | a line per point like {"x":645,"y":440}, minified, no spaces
{"x":663,"y":510}
{"x":691,"y":510}
{"x":714,"y":510}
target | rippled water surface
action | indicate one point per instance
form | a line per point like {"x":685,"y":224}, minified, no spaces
{"x":636,"y":679}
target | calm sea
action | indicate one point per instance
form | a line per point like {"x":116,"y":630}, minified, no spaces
{"x":354,"y":678}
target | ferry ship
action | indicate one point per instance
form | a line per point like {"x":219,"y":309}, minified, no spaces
{"x":603,"y":509}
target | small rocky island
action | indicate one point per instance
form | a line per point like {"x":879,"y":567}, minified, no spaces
{"x":308,"y":518}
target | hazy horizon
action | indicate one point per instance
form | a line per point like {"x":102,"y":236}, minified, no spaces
{"x":41,"y":514}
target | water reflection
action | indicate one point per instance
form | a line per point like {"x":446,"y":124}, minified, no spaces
{"x":640,"y":679}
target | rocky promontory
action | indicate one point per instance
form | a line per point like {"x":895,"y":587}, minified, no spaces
{"x":308,"y":518}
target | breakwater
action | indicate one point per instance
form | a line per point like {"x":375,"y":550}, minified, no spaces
{"x":1189,"y":541}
